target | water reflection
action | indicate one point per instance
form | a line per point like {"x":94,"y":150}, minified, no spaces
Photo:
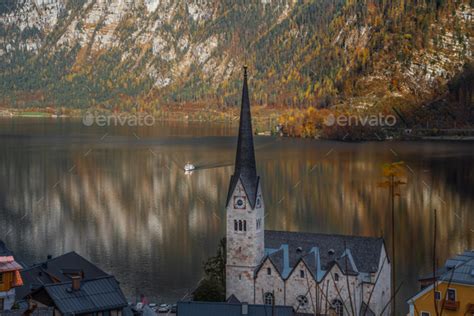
{"x":120,"y":197}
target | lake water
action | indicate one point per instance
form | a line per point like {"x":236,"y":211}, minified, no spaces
{"x":119,"y":197}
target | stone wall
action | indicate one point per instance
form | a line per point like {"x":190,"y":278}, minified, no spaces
{"x":272,"y":283}
{"x":245,"y":248}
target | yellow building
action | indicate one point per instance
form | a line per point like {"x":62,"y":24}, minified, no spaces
{"x":10,"y":278}
{"x":453,"y":292}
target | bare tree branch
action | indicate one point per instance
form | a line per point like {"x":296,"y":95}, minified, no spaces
{"x":391,"y":298}
{"x":347,"y":279}
{"x":373,"y":288}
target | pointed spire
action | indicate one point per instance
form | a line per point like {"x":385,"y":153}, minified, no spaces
{"x":245,"y":167}
{"x":245,"y":157}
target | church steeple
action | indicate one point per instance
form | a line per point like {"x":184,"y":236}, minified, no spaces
{"x":245,"y":168}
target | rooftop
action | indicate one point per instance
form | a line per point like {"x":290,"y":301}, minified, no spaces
{"x":94,"y":295}
{"x":57,"y":270}
{"x":320,"y":252}
{"x":4,"y":251}
{"x":459,"y":269}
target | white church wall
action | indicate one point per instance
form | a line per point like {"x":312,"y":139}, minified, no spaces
{"x":245,"y":245}
{"x":272,"y":283}
{"x":381,"y":295}
{"x":338,"y":290}
{"x":301,"y":285}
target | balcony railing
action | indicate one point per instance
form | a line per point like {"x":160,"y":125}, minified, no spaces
{"x":451,"y":305}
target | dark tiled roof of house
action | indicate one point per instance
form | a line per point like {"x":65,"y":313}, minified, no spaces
{"x":362,"y":253}
{"x":96,"y":295}
{"x":245,"y":166}
{"x":56,"y":270}
{"x":4,"y":251}
{"x":227,"y":309}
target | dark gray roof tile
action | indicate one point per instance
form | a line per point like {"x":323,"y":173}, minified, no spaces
{"x":364,"y":250}
{"x":94,"y":295}
{"x":245,"y":166}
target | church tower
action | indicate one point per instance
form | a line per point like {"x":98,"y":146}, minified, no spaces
{"x":245,"y":212}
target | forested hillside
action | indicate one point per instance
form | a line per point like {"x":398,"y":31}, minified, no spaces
{"x":351,"y":55}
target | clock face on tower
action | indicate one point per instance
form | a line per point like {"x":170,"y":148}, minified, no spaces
{"x":239,"y":202}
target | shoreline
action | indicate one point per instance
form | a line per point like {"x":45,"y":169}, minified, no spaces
{"x":265,"y":123}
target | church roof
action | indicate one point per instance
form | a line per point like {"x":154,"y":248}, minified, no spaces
{"x":320,"y":252}
{"x":245,"y":167}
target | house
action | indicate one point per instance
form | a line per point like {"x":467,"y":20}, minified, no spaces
{"x":452,"y":288}
{"x":231,"y":309}
{"x":10,"y":278}
{"x":72,"y":286}
{"x":57,"y":270}
{"x":313,"y":273}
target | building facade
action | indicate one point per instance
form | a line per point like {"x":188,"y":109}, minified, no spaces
{"x":313,"y":273}
{"x":10,"y":278}
{"x":454,"y":289}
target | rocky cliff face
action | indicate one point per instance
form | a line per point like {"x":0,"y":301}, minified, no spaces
{"x":300,"y":52}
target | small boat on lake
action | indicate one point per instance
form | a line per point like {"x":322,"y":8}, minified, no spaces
{"x":189,"y":167}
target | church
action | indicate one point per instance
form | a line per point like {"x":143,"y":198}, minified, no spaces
{"x":314,"y":273}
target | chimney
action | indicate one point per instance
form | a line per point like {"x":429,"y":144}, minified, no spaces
{"x":76,"y":283}
{"x":245,"y":308}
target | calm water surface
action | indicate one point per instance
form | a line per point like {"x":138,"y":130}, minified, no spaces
{"x":119,"y":197}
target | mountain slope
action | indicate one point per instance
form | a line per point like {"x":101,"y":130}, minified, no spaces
{"x":123,"y":54}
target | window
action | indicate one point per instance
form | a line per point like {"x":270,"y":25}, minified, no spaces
{"x":240,"y":225}
{"x":236,"y":225}
{"x":245,"y":226}
{"x":269,"y":271}
{"x":302,"y":301}
{"x":338,"y":307}
{"x":302,"y":273}
{"x":336,"y":277}
{"x":425,"y":314}
{"x":268,"y":298}
{"x":2,"y":307}
{"x":1,"y":281}
{"x":451,"y":295}
{"x":259,"y":223}
{"x":437,"y":295}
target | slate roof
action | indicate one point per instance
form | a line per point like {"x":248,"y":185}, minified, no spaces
{"x":320,"y":252}
{"x":96,"y":295}
{"x":229,"y":309}
{"x":4,"y":251}
{"x":56,"y":270}
{"x":460,"y":269}
{"x":245,"y":166}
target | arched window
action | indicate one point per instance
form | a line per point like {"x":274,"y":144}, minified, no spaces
{"x":268,"y":298}
{"x":240,"y":225}
{"x":236,"y":226}
{"x":302,"y":301}
{"x":336,"y":277}
{"x":338,"y":307}
{"x":245,"y":225}
{"x":269,"y":271}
